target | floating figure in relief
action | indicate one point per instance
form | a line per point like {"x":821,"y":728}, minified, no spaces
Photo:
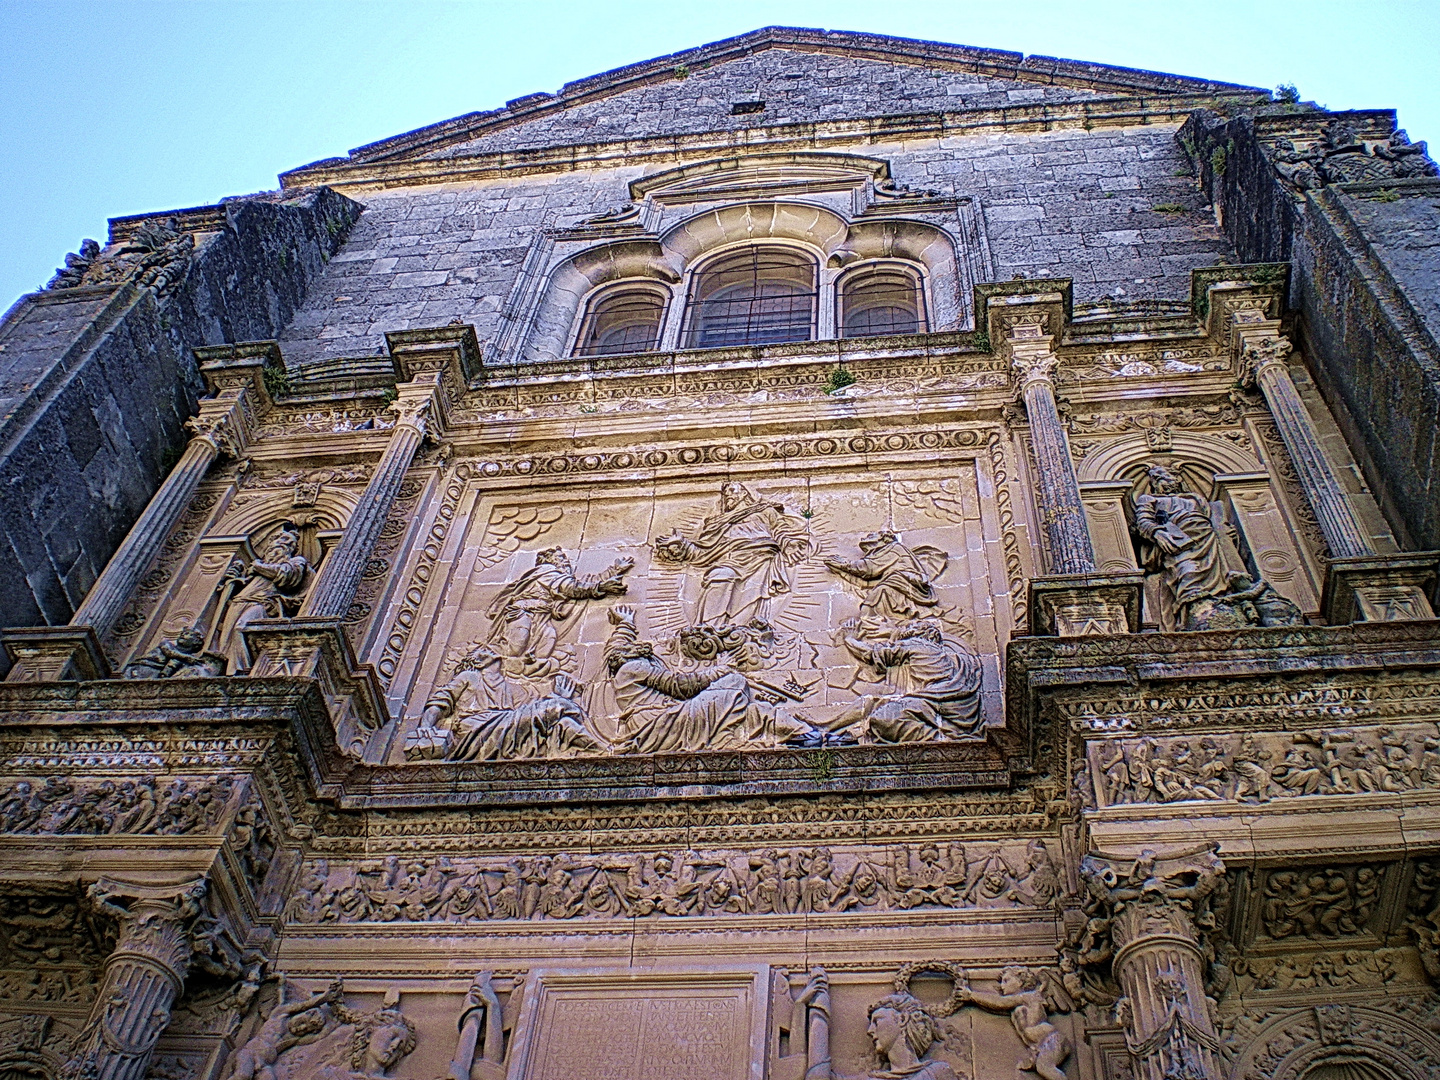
{"x":296,"y":1024}
{"x":895,"y":582}
{"x":666,"y":711}
{"x":1022,"y":996}
{"x":529,"y":614}
{"x":746,"y":551}
{"x":181,"y":657}
{"x":937,"y":685}
{"x":269,"y":588}
{"x":475,"y":717}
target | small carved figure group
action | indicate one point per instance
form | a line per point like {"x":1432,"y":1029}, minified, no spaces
{"x":1261,"y":767}
{"x":1325,"y":903}
{"x":155,"y":256}
{"x":320,"y":1036}
{"x":1340,"y":157}
{"x":676,"y":885}
{"x":1369,"y":968}
{"x":63,"y":805}
{"x":181,"y":657}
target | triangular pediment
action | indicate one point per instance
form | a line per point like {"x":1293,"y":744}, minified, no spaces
{"x":775,"y":77}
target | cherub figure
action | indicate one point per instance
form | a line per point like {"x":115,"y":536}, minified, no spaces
{"x":295,"y":1024}
{"x":1022,"y":996}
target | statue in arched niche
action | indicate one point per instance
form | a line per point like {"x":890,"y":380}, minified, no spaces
{"x":271,"y":587}
{"x":746,"y":550}
{"x":1181,"y":542}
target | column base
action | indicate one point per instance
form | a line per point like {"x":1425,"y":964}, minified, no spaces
{"x":1381,"y":588}
{"x":54,"y":654}
{"x":1080,"y":605}
{"x":314,"y":648}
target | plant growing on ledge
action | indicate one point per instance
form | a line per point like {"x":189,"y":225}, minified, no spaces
{"x":389,"y":396}
{"x":839,"y":379}
{"x":277,"y":380}
{"x":982,"y":340}
{"x":1269,"y":275}
{"x":1286,"y":94}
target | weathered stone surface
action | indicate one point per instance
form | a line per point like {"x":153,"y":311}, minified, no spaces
{"x":1024,"y":681}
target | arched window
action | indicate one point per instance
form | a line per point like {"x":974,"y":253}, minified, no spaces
{"x":622,"y":320}
{"x":755,"y":296}
{"x":882,"y":299}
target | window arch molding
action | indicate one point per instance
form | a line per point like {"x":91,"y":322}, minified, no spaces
{"x":921,"y":244}
{"x":558,"y":306}
{"x":785,"y":289}
{"x":902,"y":285}
{"x":609,"y":318}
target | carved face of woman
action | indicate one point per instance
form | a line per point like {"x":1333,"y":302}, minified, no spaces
{"x":387,"y":1044}
{"x":884,"y":1030}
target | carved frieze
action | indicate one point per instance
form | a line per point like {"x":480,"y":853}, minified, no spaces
{"x":63,"y":805}
{"x":1257,"y":767}
{"x":679,"y":884}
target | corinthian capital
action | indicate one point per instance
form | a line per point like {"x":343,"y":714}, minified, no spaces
{"x":417,"y":412}
{"x":1155,"y":893}
{"x":1032,"y":367}
{"x":154,"y":923}
{"x":1260,"y":354}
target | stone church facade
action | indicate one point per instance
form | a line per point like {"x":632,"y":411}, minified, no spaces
{"x":821,"y":556}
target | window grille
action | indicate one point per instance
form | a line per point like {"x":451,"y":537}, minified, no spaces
{"x":622,"y":321}
{"x":885,"y":300}
{"x":758,"y":296}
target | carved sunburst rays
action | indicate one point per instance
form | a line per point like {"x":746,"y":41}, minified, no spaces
{"x":673,"y":589}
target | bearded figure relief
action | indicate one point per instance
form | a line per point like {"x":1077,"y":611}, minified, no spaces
{"x":1181,"y":543}
{"x":894,"y":581}
{"x":272,"y":587}
{"x":529,"y":616}
{"x":476,"y":717}
{"x":667,"y":711}
{"x":745,"y":552}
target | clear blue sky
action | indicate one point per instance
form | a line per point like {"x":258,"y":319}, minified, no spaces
{"x":124,"y":107}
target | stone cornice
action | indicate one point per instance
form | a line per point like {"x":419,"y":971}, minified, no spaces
{"x":346,"y":175}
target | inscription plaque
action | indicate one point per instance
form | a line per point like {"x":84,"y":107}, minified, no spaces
{"x":596,"y":1024}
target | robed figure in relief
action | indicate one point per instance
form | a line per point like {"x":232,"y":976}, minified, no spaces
{"x":269,"y":588}
{"x":746,"y":551}
{"x":1185,"y":546}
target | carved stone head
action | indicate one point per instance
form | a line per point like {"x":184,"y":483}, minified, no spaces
{"x":553,"y":556}
{"x":898,"y":1019}
{"x":1163,"y":481}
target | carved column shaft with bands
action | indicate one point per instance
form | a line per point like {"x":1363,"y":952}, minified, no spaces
{"x":219,"y":427}
{"x":144,"y":976}
{"x":1062,"y":511}
{"x":340,"y":574}
{"x":1161,"y":970}
{"x":1263,"y":362}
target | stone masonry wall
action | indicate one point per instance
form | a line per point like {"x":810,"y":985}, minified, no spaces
{"x":1076,"y":203}
{"x":1366,"y":292}
{"x":95,"y":384}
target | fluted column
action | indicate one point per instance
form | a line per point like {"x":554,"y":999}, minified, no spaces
{"x":1263,"y":364}
{"x":216,"y":430}
{"x":143,"y":977}
{"x":1061,"y":509}
{"x":1159,"y":959}
{"x":340,"y":573}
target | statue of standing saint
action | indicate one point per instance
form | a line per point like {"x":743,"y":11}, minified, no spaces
{"x":269,"y":588}
{"x":1184,"y":546}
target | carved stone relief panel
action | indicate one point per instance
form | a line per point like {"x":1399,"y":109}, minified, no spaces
{"x":677,"y":615}
{"x":1258,"y":767}
{"x":659,"y":1025}
{"x":1013,"y":876}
